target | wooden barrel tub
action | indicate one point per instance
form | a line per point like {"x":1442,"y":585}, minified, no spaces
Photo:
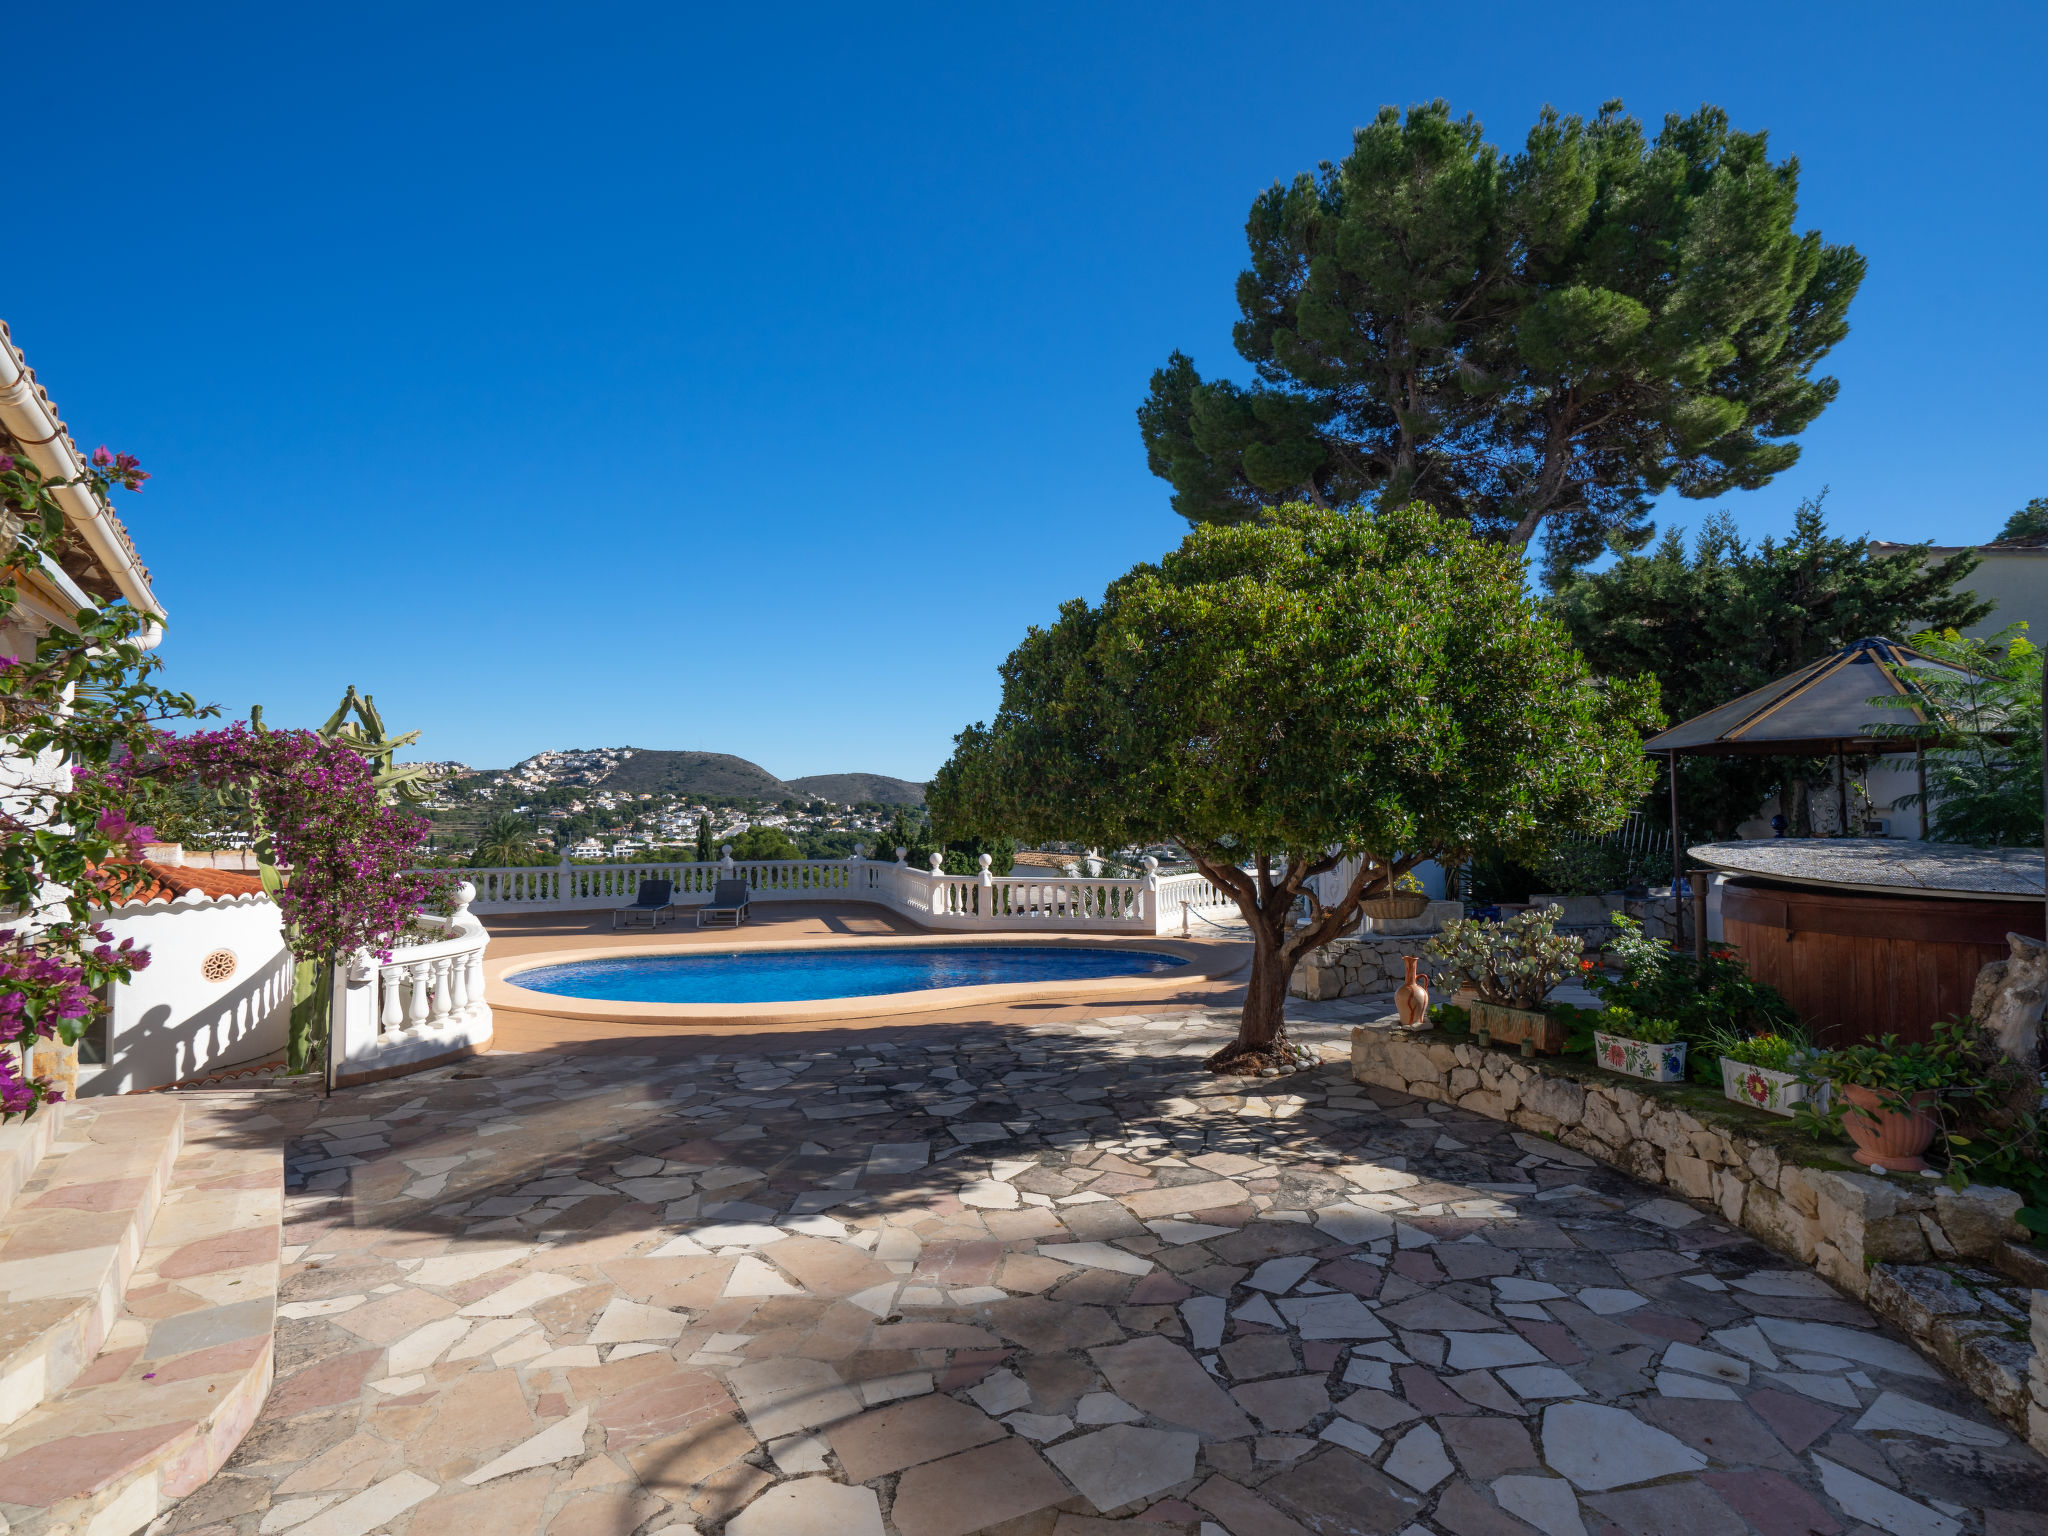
{"x":1859,"y":965}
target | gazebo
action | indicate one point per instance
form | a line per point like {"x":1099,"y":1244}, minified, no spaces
{"x":1864,"y":937}
{"x":1822,"y":710}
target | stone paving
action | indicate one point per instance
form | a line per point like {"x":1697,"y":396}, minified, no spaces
{"x":1043,"y":1282}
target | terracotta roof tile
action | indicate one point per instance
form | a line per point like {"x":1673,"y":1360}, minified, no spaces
{"x":170,"y":881}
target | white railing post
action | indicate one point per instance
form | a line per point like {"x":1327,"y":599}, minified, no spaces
{"x":1148,"y":901}
{"x":416,"y":994}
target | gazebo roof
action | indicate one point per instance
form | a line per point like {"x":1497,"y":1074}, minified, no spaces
{"x":1824,"y":707}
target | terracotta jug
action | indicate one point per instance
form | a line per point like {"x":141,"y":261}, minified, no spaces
{"x":1411,"y":999}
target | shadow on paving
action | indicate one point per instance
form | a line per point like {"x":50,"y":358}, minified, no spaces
{"x":978,"y":1277}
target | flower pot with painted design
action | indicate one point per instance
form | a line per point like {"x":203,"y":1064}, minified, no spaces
{"x":1656,"y":1061}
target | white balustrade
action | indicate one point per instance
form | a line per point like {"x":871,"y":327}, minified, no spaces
{"x":421,"y":1001}
{"x":1026,"y":899}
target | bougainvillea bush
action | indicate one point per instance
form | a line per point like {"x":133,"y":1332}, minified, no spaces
{"x":86,"y":746}
{"x":83,"y":700}
{"x":334,"y":856}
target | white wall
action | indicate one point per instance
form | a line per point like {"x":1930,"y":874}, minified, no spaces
{"x":170,"y":1022}
{"x":2017,"y":582}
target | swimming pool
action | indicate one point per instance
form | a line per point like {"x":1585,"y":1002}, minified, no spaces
{"x":807,"y":975}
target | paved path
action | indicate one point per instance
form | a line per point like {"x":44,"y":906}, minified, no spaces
{"x":1038,"y":1283}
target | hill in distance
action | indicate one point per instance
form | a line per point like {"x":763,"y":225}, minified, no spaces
{"x":854,"y":788}
{"x":649,"y":771}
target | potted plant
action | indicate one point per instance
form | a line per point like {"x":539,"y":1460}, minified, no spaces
{"x":1887,"y":1096}
{"x":1512,"y":965}
{"x":1405,"y":899}
{"x":1763,"y":1071}
{"x":1638,"y":1047}
{"x":1710,"y":1000}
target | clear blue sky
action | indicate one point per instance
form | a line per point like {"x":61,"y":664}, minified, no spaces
{"x":615,"y":374}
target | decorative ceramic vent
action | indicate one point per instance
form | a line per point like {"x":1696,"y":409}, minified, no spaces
{"x":218,"y":966}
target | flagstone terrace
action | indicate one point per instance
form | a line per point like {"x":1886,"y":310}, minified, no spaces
{"x":1042,"y":1278}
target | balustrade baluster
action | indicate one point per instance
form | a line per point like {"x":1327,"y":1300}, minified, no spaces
{"x":391,"y":1017}
{"x":416,"y":997}
{"x":437,"y":980}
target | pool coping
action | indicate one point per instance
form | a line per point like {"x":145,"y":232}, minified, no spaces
{"x":1207,"y":960}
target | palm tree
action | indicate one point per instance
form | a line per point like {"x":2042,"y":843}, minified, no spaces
{"x":507,"y":839}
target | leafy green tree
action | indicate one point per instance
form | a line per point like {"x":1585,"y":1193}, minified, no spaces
{"x":1984,"y":770}
{"x":1549,"y":338}
{"x":828,"y":844}
{"x":506,"y":839}
{"x":1279,"y":696}
{"x":1712,"y":623}
{"x":2030,"y":520}
{"x":764,"y":843}
{"x":706,"y":851}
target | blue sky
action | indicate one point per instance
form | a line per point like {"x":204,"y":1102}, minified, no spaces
{"x":648,"y":375}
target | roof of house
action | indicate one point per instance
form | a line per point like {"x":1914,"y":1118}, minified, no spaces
{"x":168,"y":882}
{"x":2025,"y":544}
{"x":77,"y":557}
{"x":1043,"y":860}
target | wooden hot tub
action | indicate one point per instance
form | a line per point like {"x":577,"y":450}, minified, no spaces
{"x":1863,"y":963}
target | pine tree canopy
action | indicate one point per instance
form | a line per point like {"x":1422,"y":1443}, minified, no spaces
{"x":2030,"y":520}
{"x":1547,"y":339}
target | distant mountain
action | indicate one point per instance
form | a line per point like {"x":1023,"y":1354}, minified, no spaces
{"x":853,"y":788}
{"x":642,"y":770}
{"x":693,"y":773}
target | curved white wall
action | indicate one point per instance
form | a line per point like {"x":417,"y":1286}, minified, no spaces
{"x":171,"y":1022}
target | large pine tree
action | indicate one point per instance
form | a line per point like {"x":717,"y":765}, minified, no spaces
{"x":1541,"y":340}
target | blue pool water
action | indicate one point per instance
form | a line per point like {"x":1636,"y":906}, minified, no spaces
{"x":805,"y":975}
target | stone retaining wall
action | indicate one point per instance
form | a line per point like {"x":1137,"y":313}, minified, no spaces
{"x":1352,"y":967}
{"x":1883,"y":1240}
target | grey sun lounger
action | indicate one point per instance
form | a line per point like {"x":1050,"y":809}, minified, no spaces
{"x":657,"y":897}
{"x":727,"y":906}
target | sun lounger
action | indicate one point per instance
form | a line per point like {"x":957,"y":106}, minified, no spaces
{"x":727,"y":906}
{"x":656,"y":898}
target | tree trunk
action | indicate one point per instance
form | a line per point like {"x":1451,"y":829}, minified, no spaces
{"x":1277,"y":945}
{"x":1263,"y":1022}
{"x":1796,"y":813}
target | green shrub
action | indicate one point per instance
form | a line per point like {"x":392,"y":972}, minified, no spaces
{"x":1710,"y":1000}
{"x":1516,"y":962}
{"x":1633,"y":1026}
{"x":1775,"y":1052}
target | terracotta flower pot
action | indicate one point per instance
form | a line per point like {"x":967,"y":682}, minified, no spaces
{"x":1889,"y":1132}
{"x":1411,"y":999}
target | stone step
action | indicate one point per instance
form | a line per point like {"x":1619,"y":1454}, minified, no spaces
{"x":186,"y":1364}
{"x":22,"y":1145}
{"x":71,"y":1238}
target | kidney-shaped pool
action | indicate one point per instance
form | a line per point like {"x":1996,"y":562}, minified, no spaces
{"x":807,"y":975}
